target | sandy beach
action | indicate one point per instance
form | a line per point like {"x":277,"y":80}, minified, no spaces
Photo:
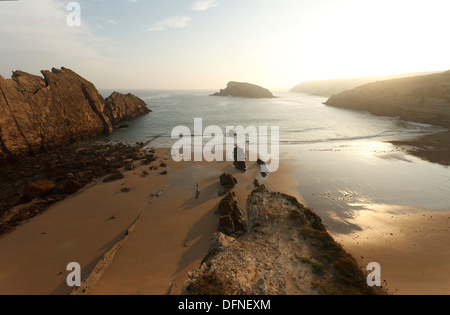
{"x":170,"y":239}
{"x":100,"y":100}
{"x":399,"y":219}
{"x":173,"y":228}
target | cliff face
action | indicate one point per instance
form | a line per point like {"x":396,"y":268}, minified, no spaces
{"x":39,"y":114}
{"x":424,"y":99}
{"x":119,"y":107}
{"x":238,"y":89}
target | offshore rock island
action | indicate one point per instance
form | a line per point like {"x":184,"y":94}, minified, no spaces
{"x":238,"y":89}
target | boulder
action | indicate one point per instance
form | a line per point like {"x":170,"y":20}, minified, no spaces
{"x":129,"y":166}
{"x":38,"y":188}
{"x":228,"y":181}
{"x":257,"y":184}
{"x":239,"y":159}
{"x":70,"y":186}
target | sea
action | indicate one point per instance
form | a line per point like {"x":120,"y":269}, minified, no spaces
{"x":342,"y":158}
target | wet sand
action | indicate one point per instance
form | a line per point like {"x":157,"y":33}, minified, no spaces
{"x":80,"y":229}
{"x":383,"y":205}
{"x":434,"y":148}
{"x":169,"y":240}
{"x":412,"y":248}
{"x":172,"y":235}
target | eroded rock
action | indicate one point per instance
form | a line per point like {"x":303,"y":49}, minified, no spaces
{"x":232,"y":218}
{"x":43,"y":113}
{"x":228,"y":181}
{"x":38,"y":188}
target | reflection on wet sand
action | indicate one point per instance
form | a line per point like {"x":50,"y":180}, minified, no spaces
{"x":384,"y":206}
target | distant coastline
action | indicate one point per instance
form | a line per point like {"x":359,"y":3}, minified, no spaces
{"x":422,"y":99}
{"x":334,"y":86}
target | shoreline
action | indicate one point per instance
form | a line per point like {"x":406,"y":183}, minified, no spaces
{"x":172,"y":215}
{"x":434,"y":148}
{"x":33,"y":184}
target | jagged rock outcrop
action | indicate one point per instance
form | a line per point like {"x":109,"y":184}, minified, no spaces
{"x":239,"y":159}
{"x":238,"y":89}
{"x":228,"y":181}
{"x":119,"y":107}
{"x":423,"y":99}
{"x":286,"y":251}
{"x":42,"y":113}
{"x":232,"y":218}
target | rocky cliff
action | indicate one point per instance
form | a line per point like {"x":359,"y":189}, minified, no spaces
{"x":423,"y":99}
{"x":41,"y":113}
{"x":238,"y":89}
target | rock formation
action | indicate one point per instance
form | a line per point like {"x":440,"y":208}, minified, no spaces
{"x":423,"y":99}
{"x":232,"y":219}
{"x":239,"y":159}
{"x":228,"y":181}
{"x":38,"y":114}
{"x":285,"y":251}
{"x":248,"y":90}
{"x":119,"y":107}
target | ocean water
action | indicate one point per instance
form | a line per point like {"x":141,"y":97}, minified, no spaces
{"x":341,"y":158}
{"x":301,"y":118}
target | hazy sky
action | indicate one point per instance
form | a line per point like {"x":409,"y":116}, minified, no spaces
{"x":195,"y":44}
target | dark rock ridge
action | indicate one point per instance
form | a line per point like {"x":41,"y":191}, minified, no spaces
{"x":423,"y":99}
{"x":238,"y":89}
{"x":41,"y":113}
